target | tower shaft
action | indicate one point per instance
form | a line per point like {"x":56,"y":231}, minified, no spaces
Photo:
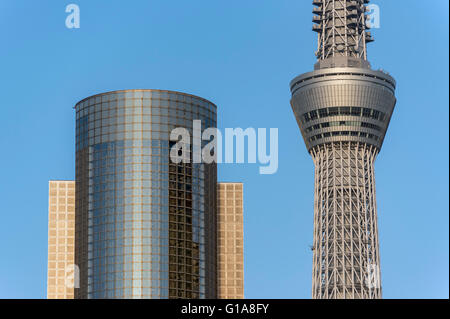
{"x":345,"y":254}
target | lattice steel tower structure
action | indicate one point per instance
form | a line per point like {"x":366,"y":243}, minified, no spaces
{"x":343,"y":109}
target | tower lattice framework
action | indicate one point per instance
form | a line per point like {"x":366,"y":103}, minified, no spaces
{"x":343,"y":109}
{"x":345,"y":224}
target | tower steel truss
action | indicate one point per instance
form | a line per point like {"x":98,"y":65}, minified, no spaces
{"x":341,"y":27}
{"x":346,"y":258}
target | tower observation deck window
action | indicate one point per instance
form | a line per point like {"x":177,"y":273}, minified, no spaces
{"x":344,"y":111}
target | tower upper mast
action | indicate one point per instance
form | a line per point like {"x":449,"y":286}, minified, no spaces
{"x":342,"y":33}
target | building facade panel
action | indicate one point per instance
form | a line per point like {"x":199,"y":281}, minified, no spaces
{"x":230,"y":245}
{"x":61,"y":272}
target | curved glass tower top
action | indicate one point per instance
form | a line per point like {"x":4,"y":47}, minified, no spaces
{"x":145,"y":227}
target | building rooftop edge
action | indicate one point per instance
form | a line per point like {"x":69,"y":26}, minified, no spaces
{"x":61,"y":180}
{"x":230,"y":183}
{"x":151,"y":90}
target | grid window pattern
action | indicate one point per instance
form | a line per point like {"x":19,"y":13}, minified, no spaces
{"x":230,"y":241}
{"x":125,"y":205}
{"x":185,"y":227}
{"x":61,"y":228}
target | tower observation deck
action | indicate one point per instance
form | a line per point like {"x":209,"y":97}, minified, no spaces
{"x":343,"y":109}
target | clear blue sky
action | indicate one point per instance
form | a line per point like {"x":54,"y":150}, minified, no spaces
{"x":240,"y":55}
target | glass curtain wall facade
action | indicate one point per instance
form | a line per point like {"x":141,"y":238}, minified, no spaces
{"x":145,"y":227}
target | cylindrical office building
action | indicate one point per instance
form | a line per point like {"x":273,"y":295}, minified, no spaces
{"x":145,"y":226}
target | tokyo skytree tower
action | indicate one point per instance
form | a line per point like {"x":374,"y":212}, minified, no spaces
{"x":343,"y":109}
